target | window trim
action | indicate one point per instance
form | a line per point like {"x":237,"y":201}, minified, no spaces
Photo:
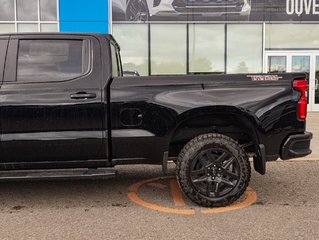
{"x":3,"y":51}
{"x":15,"y":44}
{"x":119,"y":72}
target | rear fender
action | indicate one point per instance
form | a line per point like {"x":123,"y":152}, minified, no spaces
{"x":238,"y":117}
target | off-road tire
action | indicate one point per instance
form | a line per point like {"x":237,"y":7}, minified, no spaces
{"x":192,"y":149}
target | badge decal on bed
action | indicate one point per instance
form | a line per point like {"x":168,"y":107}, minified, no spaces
{"x":264,"y":77}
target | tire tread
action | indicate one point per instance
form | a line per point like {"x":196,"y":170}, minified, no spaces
{"x":182,"y":166}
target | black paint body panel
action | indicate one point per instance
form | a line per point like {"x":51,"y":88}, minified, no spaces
{"x":166,"y":102}
{"x":41,"y":122}
{"x":133,"y":119}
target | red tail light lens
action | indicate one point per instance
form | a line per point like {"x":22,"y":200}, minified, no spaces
{"x":302,"y":86}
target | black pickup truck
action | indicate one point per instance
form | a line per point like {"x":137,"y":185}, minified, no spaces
{"x":66,"y":111}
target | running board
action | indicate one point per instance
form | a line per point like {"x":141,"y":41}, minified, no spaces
{"x":57,"y":174}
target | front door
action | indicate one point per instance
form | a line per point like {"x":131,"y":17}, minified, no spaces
{"x":51,"y":101}
{"x":301,"y":61}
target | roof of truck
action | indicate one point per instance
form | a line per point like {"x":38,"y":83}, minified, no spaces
{"x":107,"y":36}
{"x":55,"y":33}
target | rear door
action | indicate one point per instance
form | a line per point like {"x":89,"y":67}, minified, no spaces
{"x":51,"y":103}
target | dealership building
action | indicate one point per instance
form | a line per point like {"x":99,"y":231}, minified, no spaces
{"x":159,"y":37}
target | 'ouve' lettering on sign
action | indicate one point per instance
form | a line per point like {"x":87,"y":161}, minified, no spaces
{"x":302,"y":7}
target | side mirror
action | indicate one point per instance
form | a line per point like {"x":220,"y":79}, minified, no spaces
{"x":131,"y":74}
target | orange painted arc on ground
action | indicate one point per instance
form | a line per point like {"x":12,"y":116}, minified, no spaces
{"x":134,"y":198}
{"x":250,"y":196}
{"x":177,"y":193}
{"x":157,"y":185}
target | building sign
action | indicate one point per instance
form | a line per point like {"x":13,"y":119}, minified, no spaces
{"x":215,"y":10}
{"x":300,"y":7}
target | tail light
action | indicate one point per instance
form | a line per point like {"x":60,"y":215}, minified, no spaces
{"x":302,"y":86}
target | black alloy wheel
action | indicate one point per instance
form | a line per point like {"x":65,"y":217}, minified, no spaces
{"x":137,"y":11}
{"x":213,"y":170}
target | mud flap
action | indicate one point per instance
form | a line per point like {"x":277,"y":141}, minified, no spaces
{"x":164,"y":164}
{"x":260,"y":160}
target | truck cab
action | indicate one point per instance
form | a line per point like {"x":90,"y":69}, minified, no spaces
{"x":53,"y":99}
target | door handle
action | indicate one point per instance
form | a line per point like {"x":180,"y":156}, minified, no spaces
{"x":83,"y":95}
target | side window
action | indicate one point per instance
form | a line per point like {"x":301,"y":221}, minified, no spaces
{"x":3,"y":51}
{"x":52,"y":60}
{"x":115,"y":66}
{"x":119,"y":62}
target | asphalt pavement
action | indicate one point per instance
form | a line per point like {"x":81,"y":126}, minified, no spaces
{"x":313,"y":126}
{"x":287,"y":206}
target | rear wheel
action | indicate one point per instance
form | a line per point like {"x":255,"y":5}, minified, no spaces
{"x":213,"y":170}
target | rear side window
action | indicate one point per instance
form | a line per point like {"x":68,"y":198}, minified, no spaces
{"x":115,"y":62}
{"x":52,"y":60}
{"x":3,"y":52}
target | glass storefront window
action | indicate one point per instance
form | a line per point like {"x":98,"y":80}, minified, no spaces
{"x":133,"y":40}
{"x":27,"y":27}
{"x":48,"y":9}
{"x":27,"y":10}
{"x":6,"y":27}
{"x":244,"y":48}
{"x":277,"y":64}
{"x":6,"y":10}
{"x":292,"y":36}
{"x":49,"y":27}
{"x":28,"y":16}
{"x":300,"y":64}
{"x":207,"y":48}
{"x":168,"y":49}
